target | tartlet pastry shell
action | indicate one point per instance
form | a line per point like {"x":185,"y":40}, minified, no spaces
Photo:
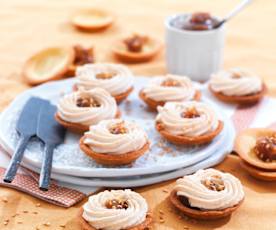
{"x":120,"y":97}
{"x":86,"y":226}
{"x":153,"y":104}
{"x":75,"y":127}
{"x":244,"y":100}
{"x":184,"y":140}
{"x":107,"y":20}
{"x":244,"y":143}
{"x":201,"y":214}
{"x":124,"y":55}
{"x":258,"y":173}
{"x":111,"y":159}
{"x":67,"y":56}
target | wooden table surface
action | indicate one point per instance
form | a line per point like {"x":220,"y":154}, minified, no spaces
{"x":31,"y":25}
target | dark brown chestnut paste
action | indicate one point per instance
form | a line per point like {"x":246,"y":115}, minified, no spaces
{"x":196,"y":21}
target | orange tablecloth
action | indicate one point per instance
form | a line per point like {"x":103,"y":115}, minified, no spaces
{"x":27,"y":26}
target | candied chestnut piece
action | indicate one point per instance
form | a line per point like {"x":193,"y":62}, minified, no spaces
{"x":214,"y":183}
{"x":104,"y":76}
{"x":135,"y":43}
{"x":265,"y":148}
{"x":170,"y":83}
{"x":82,"y":55}
{"x":116,"y":204}
{"x":190,"y":113}
{"x":87,"y":102}
{"x":118,"y":128}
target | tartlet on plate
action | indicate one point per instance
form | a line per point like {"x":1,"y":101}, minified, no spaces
{"x":115,"y":78}
{"x":48,"y":64}
{"x":78,"y":110}
{"x":119,"y":209}
{"x":136,"y":48}
{"x":207,"y":194}
{"x":237,"y":86}
{"x":168,"y":88}
{"x":188,"y":123}
{"x":114,"y":142}
{"x":92,"y":20}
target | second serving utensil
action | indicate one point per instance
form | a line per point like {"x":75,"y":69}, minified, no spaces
{"x":26,"y":127}
{"x":52,"y":134}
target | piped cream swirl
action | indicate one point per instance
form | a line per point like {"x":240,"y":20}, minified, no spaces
{"x":100,"y":217}
{"x":199,"y":196}
{"x":185,"y":91}
{"x":70,"y":112}
{"x":170,"y":115}
{"x":236,"y":82}
{"x":120,"y":82}
{"x":100,"y":139}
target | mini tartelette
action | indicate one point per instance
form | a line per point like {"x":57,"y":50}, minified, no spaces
{"x":258,"y":173}
{"x":169,"y":88}
{"x":91,"y":20}
{"x":188,"y":123}
{"x":115,"y":210}
{"x":78,"y":110}
{"x":257,"y":149}
{"x":237,"y":86}
{"x":49,"y":64}
{"x":115,"y":142}
{"x":207,"y":194}
{"x":136,"y":48}
{"x":115,"y":78}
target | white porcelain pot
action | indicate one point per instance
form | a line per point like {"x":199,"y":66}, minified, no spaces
{"x":196,"y":54}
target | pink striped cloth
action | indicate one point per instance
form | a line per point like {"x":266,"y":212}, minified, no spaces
{"x":28,"y":183}
{"x":244,"y":116}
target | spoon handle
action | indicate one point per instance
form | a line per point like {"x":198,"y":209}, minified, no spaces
{"x":237,"y":9}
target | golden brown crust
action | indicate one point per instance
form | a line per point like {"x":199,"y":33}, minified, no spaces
{"x":75,"y":127}
{"x":244,"y":100}
{"x":201,"y":214}
{"x":183,"y":140}
{"x":33,"y":78}
{"x":119,"y":98}
{"x":144,"y":225}
{"x":111,"y":159}
{"x":258,"y":173}
{"x":107,"y":20}
{"x":153,"y":104}
{"x":136,"y":57}
{"x":244,"y":143}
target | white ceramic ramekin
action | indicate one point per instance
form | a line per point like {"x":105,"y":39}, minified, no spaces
{"x":196,"y":54}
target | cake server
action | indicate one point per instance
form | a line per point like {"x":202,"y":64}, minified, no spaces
{"x":26,"y":127}
{"x":52,"y":134}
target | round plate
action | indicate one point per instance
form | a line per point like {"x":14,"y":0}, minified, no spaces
{"x":68,"y":158}
{"x":136,"y":181}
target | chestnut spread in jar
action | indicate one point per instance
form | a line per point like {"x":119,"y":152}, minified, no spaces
{"x":196,"y":21}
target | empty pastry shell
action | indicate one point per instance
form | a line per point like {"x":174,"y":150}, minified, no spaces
{"x":92,"y":19}
{"x":48,"y":64}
